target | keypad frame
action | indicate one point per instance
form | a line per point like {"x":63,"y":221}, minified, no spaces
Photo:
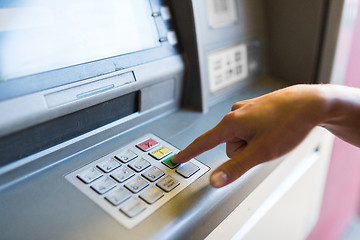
{"x":115,"y":211}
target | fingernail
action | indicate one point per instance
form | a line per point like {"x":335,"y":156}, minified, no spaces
{"x":173,"y":158}
{"x":219,"y":179}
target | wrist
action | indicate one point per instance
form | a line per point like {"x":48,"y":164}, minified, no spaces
{"x":340,"y":102}
{"x":317,"y":104}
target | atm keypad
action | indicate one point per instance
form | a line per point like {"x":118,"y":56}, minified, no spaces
{"x":137,"y":179}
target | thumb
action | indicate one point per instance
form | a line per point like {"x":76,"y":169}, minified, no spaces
{"x":235,"y":167}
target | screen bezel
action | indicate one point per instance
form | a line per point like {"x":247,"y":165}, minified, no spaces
{"x":20,"y":86}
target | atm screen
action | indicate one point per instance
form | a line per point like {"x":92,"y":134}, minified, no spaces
{"x":41,"y":35}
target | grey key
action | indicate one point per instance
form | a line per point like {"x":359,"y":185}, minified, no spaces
{"x":153,"y":174}
{"x":136,"y":185}
{"x":123,"y":174}
{"x":126,"y":156}
{"x":89,"y":175}
{"x":103,"y":185}
{"x":133,"y":207}
{"x":168,"y":184}
{"x":152,"y":195}
{"x":139,"y":165}
{"x":108,"y":165}
{"x":118,"y":196}
{"x":187,"y":170}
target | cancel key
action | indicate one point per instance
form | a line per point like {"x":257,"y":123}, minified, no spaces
{"x":168,"y":184}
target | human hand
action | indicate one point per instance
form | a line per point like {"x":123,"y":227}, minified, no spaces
{"x":259,"y":130}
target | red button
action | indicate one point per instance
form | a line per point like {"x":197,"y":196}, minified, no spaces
{"x":147,"y":144}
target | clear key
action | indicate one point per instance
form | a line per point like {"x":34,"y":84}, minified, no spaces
{"x":160,"y":152}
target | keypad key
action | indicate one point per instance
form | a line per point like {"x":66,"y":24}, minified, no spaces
{"x":152,"y":195}
{"x":147,"y":144}
{"x":160,"y":152}
{"x":139,"y":165}
{"x":136,"y":185}
{"x":108,"y":165}
{"x":118,"y":196}
{"x":133,"y":207}
{"x":103,"y":185}
{"x":153,"y":174}
{"x":126,"y":156}
{"x":168,"y":184}
{"x":123,"y":174}
{"x":187,"y":170}
{"x":90,"y":174}
{"x":169,"y":163}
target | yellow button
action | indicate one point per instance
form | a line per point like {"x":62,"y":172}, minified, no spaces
{"x":160,"y":152}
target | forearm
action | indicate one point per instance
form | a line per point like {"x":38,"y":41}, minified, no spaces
{"x":342,"y":117}
{"x":267,"y":127}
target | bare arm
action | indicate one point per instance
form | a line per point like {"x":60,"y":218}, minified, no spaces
{"x":276,"y":123}
{"x":343,"y":117}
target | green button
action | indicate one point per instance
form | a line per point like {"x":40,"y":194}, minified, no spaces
{"x":169,"y":163}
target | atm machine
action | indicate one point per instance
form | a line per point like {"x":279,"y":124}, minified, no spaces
{"x":96,"y":96}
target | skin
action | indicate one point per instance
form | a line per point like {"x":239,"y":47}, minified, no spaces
{"x":276,"y":123}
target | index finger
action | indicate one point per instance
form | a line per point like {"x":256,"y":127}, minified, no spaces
{"x":203,"y":143}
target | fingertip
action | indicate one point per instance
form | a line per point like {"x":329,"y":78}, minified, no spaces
{"x":177,"y":158}
{"x":174,"y":159}
{"x":229,"y":171}
{"x":219,"y":179}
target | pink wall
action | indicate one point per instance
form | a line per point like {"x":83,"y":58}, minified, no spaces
{"x":342,"y":190}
